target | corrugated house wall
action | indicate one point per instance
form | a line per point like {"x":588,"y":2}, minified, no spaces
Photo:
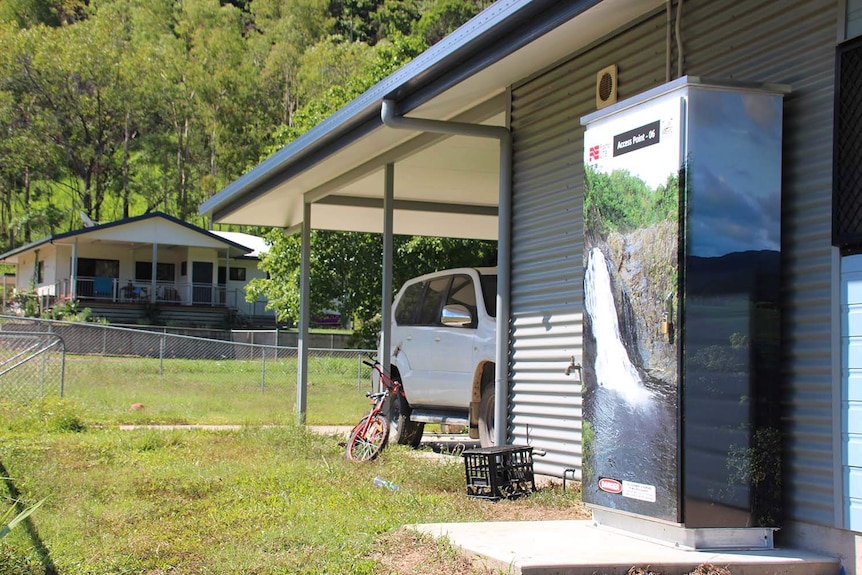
{"x":547,"y":254}
{"x":784,"y":42}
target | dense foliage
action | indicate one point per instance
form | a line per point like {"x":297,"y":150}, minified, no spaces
{"x":623,"y":202}
{"x":118,"y":108}
{"x":346,"y":272}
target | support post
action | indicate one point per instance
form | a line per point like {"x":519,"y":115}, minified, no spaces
{"x":386,"y":295}
{"x":224,"y":299}
{"x":263,"y":370}
{"x":504,"y":281}
{"x":154,"y":274}
{"x":162,"y":358}
{"x":504,"y":239}
{"x":304,"y":315}
{"x":73,"y":289}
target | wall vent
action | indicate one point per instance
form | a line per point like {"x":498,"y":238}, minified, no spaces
{"x":606,"y":86}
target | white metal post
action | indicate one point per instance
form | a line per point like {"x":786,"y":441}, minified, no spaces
{"x":386,"y":292}
{"x":154,"y":273}
{"x":304,"y":315}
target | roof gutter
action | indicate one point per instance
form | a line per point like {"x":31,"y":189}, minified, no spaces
{"x":504,"y":241}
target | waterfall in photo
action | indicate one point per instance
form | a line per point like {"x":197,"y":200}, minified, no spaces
{"x":613,"y":367}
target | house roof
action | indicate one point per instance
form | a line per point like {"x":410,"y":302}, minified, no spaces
{"x":256,"y":244}
{"x":444,"y":185}
{"x":118,"y":232}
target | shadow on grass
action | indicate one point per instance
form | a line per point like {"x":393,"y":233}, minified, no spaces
{"x":28,"y":525}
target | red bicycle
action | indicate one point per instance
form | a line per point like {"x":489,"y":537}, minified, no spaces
{"x":369,"y":436}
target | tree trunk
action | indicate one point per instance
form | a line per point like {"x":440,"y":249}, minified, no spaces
{"x":182,"y":133}
{"x":27,"y":238}
{"x":126,"y":139}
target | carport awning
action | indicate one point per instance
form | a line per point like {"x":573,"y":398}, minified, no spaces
{"x":443,"y":185}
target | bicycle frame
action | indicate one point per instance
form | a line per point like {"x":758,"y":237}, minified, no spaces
{"x":369,"y":436}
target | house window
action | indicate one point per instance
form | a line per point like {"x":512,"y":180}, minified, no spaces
{"x":237,"y":274}
{"x":165,"y":272}
{"x":184,"y":270}
{"x":90,"y":267}
{"x":847,"y":157}
{"x":40,"y":271}
{"x":853,"y":18}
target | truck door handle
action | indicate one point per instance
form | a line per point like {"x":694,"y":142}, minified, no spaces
{"x":436,"y":339}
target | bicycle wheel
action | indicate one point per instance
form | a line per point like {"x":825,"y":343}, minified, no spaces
{"x":368,"y":438}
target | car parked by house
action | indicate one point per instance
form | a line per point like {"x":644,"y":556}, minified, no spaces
{"x":443,"y":352}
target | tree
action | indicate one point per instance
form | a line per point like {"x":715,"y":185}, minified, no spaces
{"x":72,"y":75}
{"x":27,"y":13}
{"x":281,"y":262}
{"x":353,"y":20}
{"x":395,"y":17}
{"x":285,"y":30}
{"x":442,"y":17}
{"x":27,"y":151}
{"x":328,"y":64}
{"x":347,"y":269}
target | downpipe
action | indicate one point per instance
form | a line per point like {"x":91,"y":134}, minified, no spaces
{"x":504,"y":241}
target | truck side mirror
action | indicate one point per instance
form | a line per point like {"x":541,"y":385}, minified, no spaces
{"x":456,"y":315}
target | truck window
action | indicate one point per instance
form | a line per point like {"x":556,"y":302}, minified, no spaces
{"x":405,"y":314}
{"x":489,"y":293}
{"x":463,"y":293}
{"x":432,"y":303}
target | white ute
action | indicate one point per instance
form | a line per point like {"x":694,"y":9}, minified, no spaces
{"x":443,"y":352}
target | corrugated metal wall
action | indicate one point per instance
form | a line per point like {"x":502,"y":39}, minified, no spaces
{"x":787,"y":42}
{"x":547,"y":254}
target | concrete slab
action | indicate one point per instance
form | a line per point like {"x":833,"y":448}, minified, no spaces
{"x":582,"y":548}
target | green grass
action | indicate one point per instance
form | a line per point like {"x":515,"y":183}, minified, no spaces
{"x":256,"y":501}
{"x":213,"y":391}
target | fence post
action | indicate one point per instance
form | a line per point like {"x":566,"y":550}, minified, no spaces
{"x":161,"y":358}
{"x":359,"y":370}
{"x":62,"y":346}
{"x":42,"y":371}
{"x":263,"y":371}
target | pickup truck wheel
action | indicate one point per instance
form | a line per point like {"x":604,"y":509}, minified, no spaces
{"x":486,"y":416}
{"x":401,"y":430}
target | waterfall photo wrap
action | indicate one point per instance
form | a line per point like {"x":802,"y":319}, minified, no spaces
{"x":631,"y":297}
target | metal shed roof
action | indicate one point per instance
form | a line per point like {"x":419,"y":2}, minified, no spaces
{"x":444,"y":185}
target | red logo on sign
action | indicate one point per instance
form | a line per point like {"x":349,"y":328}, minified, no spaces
{"x":610,"y":485}
{"x":594,"y":153}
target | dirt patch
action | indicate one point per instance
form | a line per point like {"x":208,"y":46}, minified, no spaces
{"x":702,"y":569}
{"x":407,"y":552}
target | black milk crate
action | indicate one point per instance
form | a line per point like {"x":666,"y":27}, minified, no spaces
{"x":499,"y":472}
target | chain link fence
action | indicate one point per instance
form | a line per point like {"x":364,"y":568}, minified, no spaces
{"x":31,"y":366}
{"x":179,"y":379}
